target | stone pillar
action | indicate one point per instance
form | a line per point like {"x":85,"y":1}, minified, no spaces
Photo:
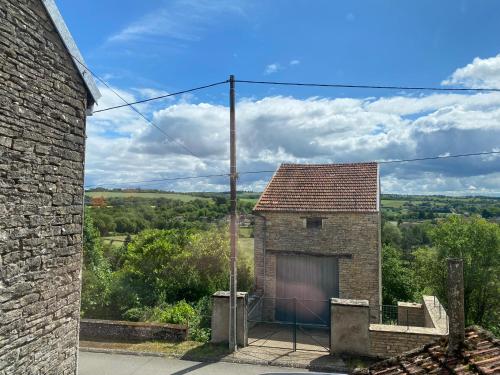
{"x":350,"y":326}
{"x":456,"y":305}
{"x":410,"y":314}
{"x":220,"y":318}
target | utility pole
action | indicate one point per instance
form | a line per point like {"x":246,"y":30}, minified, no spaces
{"x":233,"y":346}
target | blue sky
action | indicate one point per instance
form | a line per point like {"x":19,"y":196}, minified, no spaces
{"x":146,"y":48}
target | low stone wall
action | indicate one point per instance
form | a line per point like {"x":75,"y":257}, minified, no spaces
{"x":410,"y":314}
{"x":352,"y":332}
{"x":390,"y":340}
{"x":131,"y":331}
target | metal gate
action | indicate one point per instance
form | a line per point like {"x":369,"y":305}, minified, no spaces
{"x":299,"y":317}
{"x":308,"y":280}
{"x":266,"y":330}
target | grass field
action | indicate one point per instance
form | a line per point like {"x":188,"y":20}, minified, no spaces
{"x":245,"y":247}
{"x":249,"y":200}
{"x":392,"y":203}
{"x":245,"y":242}
{"x":120,"y":194}
{"x":116,"y":241}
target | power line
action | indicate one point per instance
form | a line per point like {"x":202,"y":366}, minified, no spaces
{"x":274,"y":170}
{"x":171,"y":139}
{"x":334,"y":85}
{"x":440,"y":157}
{"x":158,"y":180}
{"x":349,"y":86}
{"x":162,"y":96}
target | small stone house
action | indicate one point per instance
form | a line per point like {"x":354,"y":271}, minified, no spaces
{"x":317,"y":236}
{"x":45,"y":94}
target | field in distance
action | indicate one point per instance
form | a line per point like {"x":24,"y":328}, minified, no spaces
{"x":140,"y":194}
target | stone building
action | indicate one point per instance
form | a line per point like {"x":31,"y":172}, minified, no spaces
{"x":45,"y":94}
{"x":317,"y":236}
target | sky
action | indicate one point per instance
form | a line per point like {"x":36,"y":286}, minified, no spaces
{"x":150,"y":48}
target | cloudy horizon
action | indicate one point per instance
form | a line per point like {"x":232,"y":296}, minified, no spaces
{"x":122,"y":147}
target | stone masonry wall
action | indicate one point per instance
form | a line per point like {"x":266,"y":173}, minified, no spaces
{"x":94,"y":329}
{"x":354,"y":237}
{"x":411,"y":314}
{"x":389,"y":341}
{"x":42,"y":136}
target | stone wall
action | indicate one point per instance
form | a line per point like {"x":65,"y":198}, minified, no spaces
{"x":391,"y":340}
{"x":388,"y":341}
{"x":411,"y":314}
{"x":42,"y":137}
{"x":353,"y":237}
{"x":91,"y":329}
{"x":352,"y":333}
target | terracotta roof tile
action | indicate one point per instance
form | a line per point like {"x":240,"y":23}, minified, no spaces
{"x":322,"y":187}
{"x":480,"y":355}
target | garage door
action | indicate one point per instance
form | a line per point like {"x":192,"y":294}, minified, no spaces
{"x":304,"y":285}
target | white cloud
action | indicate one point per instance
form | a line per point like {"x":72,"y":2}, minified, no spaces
{"x":123,"y":147}
{"x":481,"y":73}
{"x":294,"y":62}
{"x":182,"y":20}
{"x":272,"y":68}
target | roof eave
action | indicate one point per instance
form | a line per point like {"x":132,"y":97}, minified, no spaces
{"x":74,"y":52}
{"x":288,"y":210}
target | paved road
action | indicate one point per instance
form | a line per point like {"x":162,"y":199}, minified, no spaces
{"x":118,"y":364}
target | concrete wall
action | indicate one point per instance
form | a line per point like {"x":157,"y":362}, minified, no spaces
{"x":350,"y":320}
{"x":220,"y":318}
{"x":120,"y":330}
{"x":42,"y":136}
{"x":351,"y":331}
{"x":353,"y":237}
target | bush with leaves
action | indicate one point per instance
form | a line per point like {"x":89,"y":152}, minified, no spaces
{"x":96,"y":273}
{"x":477,"y":242}
{"x":397,"y":280}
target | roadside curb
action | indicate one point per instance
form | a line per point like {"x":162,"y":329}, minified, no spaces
{"x":228,"y":359}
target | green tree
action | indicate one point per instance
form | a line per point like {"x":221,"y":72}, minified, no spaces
{"x":157,"y":264}
{"x":391,"y":235}
{"x":96,"y":273}
{"x":477,"y":242}
{"x":397,"y":279}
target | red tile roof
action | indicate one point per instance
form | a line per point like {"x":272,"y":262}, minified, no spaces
{"x":480,"y":354}
{"x":322,"y":188}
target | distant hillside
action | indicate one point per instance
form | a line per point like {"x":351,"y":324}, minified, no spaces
{"x":394,"y":207}
{"x":144,"y":194}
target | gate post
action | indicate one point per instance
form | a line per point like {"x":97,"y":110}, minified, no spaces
{"x":220,"y":318}
{"x":352,"y":326}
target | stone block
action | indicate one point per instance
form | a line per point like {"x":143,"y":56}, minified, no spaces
{"x":220,"y":318}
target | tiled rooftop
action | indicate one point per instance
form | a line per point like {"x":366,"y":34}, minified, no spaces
{"x":322,"y":188}
{"x":479,"y":355}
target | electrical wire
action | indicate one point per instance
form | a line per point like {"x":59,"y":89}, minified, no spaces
{"x":274,"y":170}
{"x":171,"y":139}
{"x":378,"y":87}
{"x":162,"y":96}
{"x":158,"y":180}
{"x":439,"y":157}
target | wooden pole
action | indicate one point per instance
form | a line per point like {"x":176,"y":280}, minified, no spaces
{"x":233,"y":225}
